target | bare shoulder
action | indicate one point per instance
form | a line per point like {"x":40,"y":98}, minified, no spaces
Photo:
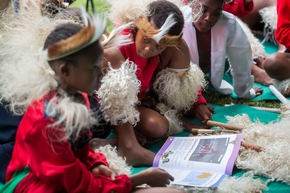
{"x":114,"y":56}
{"x":176,"y":57}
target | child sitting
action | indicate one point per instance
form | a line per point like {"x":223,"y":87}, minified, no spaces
{"x":51,"y":152}
{"x":212,"y":36}
{"x":157,"y":27}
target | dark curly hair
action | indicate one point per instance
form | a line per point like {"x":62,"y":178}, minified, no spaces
{"x":160,"y":10}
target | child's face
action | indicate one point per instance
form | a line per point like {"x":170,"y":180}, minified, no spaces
{"x":147,"y":47}
{"x":211,"y":12}
{"x":85,"y":75}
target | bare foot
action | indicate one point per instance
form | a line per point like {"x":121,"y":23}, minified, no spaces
{"x":262,"y":77}
{"x":137,"y":156}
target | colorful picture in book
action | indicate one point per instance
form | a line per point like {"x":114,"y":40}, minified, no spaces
{"x":196,"y":178}
{"x":210,"y":150}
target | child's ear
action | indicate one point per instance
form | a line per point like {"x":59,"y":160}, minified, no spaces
{"x":64,"y":69}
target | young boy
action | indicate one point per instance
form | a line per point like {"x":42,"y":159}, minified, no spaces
{"x":157,"y":34}
{"x":213,"y":36}
{"x":51,"y":152}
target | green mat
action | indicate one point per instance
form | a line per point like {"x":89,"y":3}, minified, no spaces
{"x":220,"y":115}
{"x":270,"y":48}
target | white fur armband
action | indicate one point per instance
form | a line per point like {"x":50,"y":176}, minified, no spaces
{"x":118,"y":94}
{"x":179,"y":92}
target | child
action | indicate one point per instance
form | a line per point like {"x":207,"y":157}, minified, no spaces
{"x":277,"y":65}
{"x":51,"y":152}
{"x":213,"y":36}
{"x":157,"y":26}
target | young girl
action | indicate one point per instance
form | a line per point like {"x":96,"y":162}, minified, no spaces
{"x":51,"y":152}
{"x":211,"y":37}
{"x":157,"y":29}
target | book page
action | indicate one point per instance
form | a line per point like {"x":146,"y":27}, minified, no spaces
{"x":196,"y":178}
{"x":215,"y":153}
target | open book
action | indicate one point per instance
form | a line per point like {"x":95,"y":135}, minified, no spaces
{"x":200,"y":161}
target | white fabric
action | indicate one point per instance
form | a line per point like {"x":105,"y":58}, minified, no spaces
{"x":227,"y":40}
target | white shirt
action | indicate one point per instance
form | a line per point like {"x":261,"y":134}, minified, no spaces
{"x":227,"y":40}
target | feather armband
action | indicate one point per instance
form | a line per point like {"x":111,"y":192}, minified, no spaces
{"x":179,"y":92}
{"x":118,"y":94}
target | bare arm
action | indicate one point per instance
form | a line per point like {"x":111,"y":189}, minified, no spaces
{"x":113,"y":56}
{"x":176,"y":57}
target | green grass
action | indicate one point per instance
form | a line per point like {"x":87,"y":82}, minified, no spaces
{"x":215,"y":98}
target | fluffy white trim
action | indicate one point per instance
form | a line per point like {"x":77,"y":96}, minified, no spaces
{"x":179,"y":92}
{"x":24,"y":76}
{"x":231,"y":184}
{"x":116,"y":39}
{"x":245,"y":183}
{"x":175,"y":125}
{"x":116,"y":162}
{"x":126,"y":11}
{"x":257,"y":47}
{"x":283,"y":85}
{"x":274,"y":138}
{"x":118,"y":94}
{"x":73,"y":116}
{"x":269,"y":16}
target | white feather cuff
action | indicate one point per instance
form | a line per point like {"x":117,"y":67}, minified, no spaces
{"x":179,"y":92}
{"x":118,"y":94}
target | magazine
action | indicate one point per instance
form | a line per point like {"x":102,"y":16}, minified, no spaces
{"x":200,"y":161}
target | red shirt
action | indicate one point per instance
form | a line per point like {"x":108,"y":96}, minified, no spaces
{"x":283,"y":23}
{"x":145,"y":66}
{"x":237,"y":8}
{"x":54,"y":165}
{"x":146,"y":69}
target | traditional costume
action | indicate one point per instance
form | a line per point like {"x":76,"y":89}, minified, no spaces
{"x":146,"y":69}
{"x":52,"y":152}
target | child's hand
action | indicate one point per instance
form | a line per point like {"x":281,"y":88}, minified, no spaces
{"x":203,"y":112}
{"x":156,"y":177}
{"x":103,"y":170}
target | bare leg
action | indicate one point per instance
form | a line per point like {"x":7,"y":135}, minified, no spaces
{"x":260,"y":74}
{"x":129,"y":147}
{"x":254,"y":17}
{"x":152,"y":126}
{"x":277,"y":66}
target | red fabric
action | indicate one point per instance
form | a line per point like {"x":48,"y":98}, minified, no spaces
{"x":237,"y":8}
{"x":54,"y":166}
{"x":283,"y":23}
{"x":146,"y":67}
{"x":200,"y":99}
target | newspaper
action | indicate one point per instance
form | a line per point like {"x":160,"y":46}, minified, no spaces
{"x":200,"y":161}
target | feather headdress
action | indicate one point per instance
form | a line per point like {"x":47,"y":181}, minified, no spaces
{"x":94,"y":27}
{"x":126,"y":11}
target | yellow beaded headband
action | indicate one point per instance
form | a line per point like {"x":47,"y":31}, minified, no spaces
{"x":94,"y":27}
{"x":159,"y":35}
